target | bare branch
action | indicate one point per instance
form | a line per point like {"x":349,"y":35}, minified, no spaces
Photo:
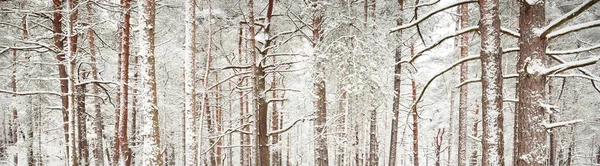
{"x":584,"y":71}
{"x":567,"y":17}
{"x":434,"y":11}
{"x":438,"y":42}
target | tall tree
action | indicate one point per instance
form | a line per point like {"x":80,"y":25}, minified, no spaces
{"x":124,"y":152}
{"x":532,"y":136}
{"x":463,"y":92}
{"x":397,"y":85}
{"x":150,"y":133}
{"x":415,"y":116}
{"x":491,"y":83}
{"x":321,"y":153}
{"x":190,"y":111}
{"x":72,"y":36}
{"x":98,"y":128}
{"x":62,"y":70}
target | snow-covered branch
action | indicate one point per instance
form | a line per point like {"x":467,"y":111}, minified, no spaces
{"x":449,"y":36}
{"x":30,"y":93}
{"x":573,"y":51}
{"x":575,"y":76}
{"x":510,"y":32}
{"x":561,"y":124}
{"x":288,"y":128}
{"x":463,"y":60}
{"x":567,"y":17}
{"x":96,"y":82}
{"x":571,"y":65}
{"x":427,"y":15}
{"x":582,"y":70}
{"x":573,"y":28}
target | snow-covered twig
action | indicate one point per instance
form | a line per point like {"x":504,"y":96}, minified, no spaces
{"x":96,"y":82}
{"x":561,"y":124}
{"x":510,"y":100}
{"x":510,"y":32}
{"x":474,"y":138}
{"x":573,"y":28}
{"x":427,"y":15}
{"x":568,"y":16}
{"x":438,"y":42}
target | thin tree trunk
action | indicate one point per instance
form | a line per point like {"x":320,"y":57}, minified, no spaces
{"x":373,"y":144}
{"x":532,"y":135}
{"x":341,"y":150}
{"x":81,"y":121}
{"x":463,"y":92}
{"x":474,"y":148}
{"x":98,"y":142}
{"x":72,"y":12}
{"x":243,"y":152}
{"x":190,"y":107}
{"x":219,"y":122}
{"x":415,"y":116}
{"x":150,"y":133}
{"x":396,"y":100}
{"x":62,"y":70}
{"x":275,"y":121}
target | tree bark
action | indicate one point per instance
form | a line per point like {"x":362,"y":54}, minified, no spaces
{"x":98,"y":128}
{"x":150,"y":133}
{"x":190,"y":107}
{"x":124,"y":98}
{"x":72,"y":37}
{"x":321,"y":152}
{"x":491,"y":80}
{"x":62,"y":70}
{"x":415,"y":116}
{"x":463,"y":92}
{"x":396,"y":100}
{"x":532,"y":135}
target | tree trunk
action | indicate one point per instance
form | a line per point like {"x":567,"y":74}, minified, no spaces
{"x":124,"y":98}
{"x":150,"y":133}
{"x":532,"y":135}
{"x":190,"y":108}
{"x":396,"y":100}
{"x":72,"y":12}
{"x":463,"y":92}
{"x":474,"y":158}
{"x":81,"y":121}
{"x":62,"y":70}
{"x":98,"y":142}
{"x":275,"y":121}
{"x":491,"y":83}
{"x":373,"y":147}
{"x":415,"y":116}
{"x":321,"y":154}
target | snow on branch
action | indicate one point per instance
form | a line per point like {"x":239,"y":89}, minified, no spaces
{"x":434,"y":11}
{"x":567,"y":17}
{"x":575,"y":76}
{"x":571,"y":65}
{"x":582,"y":70}
{"x":455,"y":34}
{"x":573,"y":28}
{"x":561,"y":124}
{"x":438,"y":42}
{"x":30,"y":93}
{"x":510,"y":32}
{"x":96,"y":82}
{"x":424,"y":4}
{"x":289,"y":127}
{"x":463,"y":60}
{"x":578,"y":50}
